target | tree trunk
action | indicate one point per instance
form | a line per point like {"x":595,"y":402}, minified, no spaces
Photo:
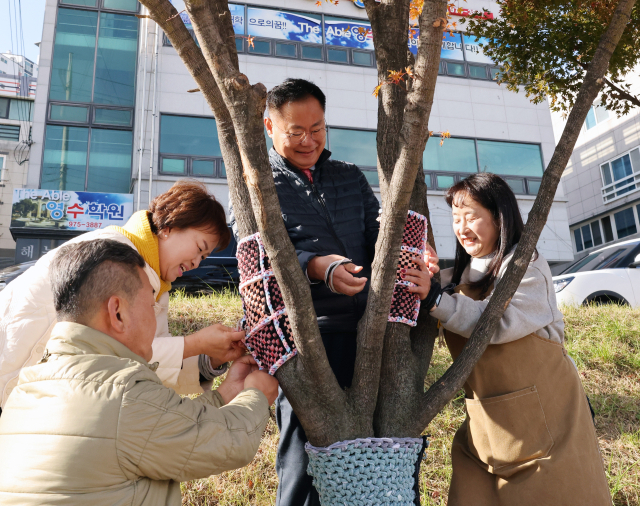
{"x":387,"y":396}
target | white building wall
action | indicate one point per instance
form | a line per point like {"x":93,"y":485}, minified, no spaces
{"x":464,"y":107}
{"x":582,"y":179}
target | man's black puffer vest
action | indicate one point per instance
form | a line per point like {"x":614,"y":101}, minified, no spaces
{"x":335,"y":215}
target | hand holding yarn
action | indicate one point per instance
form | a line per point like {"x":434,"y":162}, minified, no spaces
{"x":234,"y":383}
{"x":221,"y":343}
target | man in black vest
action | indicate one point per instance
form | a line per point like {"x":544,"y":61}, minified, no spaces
{"x":331,"y":213}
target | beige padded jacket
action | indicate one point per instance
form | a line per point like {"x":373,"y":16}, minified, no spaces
{"x":93,"y":425}
{"x":27,"y":317}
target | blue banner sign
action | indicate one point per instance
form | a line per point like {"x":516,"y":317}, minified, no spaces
{"x":348,"y":33}
{"x":67,"y":210}
{"x":237,"y":15}
{"x":452,"y":47}
{"x":473,"y":51}
{"x":284,"y":25}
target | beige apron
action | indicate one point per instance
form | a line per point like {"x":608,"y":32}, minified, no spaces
{"x":528,"y":438}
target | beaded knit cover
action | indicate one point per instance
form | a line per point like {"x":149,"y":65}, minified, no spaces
{"x":265,"y":321}
{"x":404,"y":304}
{"x":370,"y":471}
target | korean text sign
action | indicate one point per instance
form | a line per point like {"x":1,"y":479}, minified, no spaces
{"x":67,"y":210}
{"x":284,"y":25}
{"x":237,"y":15}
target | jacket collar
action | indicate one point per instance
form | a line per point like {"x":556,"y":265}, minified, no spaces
{"x":68,"y":338}
{"x":277,"y":160}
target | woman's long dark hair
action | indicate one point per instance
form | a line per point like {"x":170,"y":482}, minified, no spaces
{"x":494,"y":194}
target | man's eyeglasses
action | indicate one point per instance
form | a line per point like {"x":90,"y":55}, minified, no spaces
{"x":317,"y":134}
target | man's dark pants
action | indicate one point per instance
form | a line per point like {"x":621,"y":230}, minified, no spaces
{"x":295,"y":485}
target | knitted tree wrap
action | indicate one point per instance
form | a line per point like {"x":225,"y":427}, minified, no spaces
{"x":404,"y":304}
{"x":269,"y":337}
{"x":365,"y":472}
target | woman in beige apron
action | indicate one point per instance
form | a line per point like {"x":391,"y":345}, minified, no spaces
{"x":528,"y":438}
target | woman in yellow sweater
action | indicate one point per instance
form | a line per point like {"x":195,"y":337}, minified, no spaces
{"x":181,"y":228}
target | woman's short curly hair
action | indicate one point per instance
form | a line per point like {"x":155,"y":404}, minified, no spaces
{"x":188,"y":204}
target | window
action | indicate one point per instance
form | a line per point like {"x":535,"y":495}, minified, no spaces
{"x":10,"y":132}
{"x":595,"y":232}
{"x":116,"y":60}
{"x":625,"y":223}
{"x":4,"y":107}
{"x":16,"y":109}
{"x":84,"y":41}
{"x":455,"y":155}
{"x":358,"y":147}
{"x":510,"y":158}
{"x":597,"y":114}
{"x":73,"y":55}
{"x":74,"y":162}
{"x":189,"y":146}
{"x":621,"y":175}
{"x":577,"y":234}
{"x":608,"y":230}
{"x":64,"y":164}
{"x":446,"y":164}
{"x":587,"y":242}
{"x":110,"y":161}
{"x":94,"y":62}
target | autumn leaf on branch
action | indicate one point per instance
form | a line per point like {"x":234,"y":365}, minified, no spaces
{"x":250,"y":41}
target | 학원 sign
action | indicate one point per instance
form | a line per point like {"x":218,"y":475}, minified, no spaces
{"x":67,"y":210}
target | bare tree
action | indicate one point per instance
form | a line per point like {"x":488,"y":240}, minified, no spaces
{"x":387,"y":396}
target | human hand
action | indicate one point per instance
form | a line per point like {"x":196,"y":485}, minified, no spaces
{"x":233,"y":384}
{"x":264,"y":382}
{"x":431,"y":258}
{"x":421,"y":277}
{"x":344,"y":280}
{"x":221,"y":343}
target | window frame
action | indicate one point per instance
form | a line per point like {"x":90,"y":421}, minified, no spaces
{"x":611,"y":192}
{"x":90,"y":124}
{"x":98,"y":7}
{"x":189,"y":159}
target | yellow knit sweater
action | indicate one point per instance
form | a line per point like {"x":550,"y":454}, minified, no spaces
{"x":138,"y":231}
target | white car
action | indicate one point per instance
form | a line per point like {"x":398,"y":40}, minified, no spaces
{"x":608,"y":275}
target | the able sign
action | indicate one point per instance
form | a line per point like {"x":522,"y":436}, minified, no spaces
{"x":67,"y":210}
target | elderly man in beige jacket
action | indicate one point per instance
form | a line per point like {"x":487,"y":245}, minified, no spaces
{"x":93,"y":424}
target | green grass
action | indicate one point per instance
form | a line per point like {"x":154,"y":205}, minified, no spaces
{"x":604,"y":342}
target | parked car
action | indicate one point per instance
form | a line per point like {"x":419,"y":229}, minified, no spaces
{"x":218,"y":270}
{"x":10,"y":273}
{"x":608,"y":275}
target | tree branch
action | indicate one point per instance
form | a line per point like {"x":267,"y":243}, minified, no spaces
{"x":165,"y":15}
{"x":411,"y":144}
{"x":313,"y":390}
{"x":442,"y":390}
{"x":623,"y":93}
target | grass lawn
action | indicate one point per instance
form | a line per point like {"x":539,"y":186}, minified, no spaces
{"x":603,"y":341}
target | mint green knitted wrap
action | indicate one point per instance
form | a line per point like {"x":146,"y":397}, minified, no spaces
{"x":363,"y":472}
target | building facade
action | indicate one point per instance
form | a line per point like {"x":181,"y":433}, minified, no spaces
{"x":114,"y":111}
{"x":602,"y":178}
{"x":16,"y":114}
{"x":13,"y":64}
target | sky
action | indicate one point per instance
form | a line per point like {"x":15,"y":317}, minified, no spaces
{"x":32,"y":20}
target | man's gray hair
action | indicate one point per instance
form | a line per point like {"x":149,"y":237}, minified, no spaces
{"x":85,"y":274}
